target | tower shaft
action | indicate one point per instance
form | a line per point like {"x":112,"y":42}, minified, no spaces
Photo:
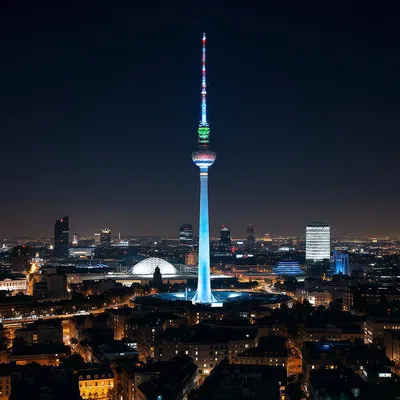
{"x":203,"y":294}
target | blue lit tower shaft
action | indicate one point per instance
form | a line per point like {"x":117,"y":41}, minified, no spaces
{"x":204,"y":294}
{"x":203,"y":157}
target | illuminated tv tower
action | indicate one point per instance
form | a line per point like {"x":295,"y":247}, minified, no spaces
{"x":204,"y":157}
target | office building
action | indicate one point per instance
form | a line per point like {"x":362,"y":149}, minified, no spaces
{"x":186,"y":234}
{"x":250,"y":238}
{"x":20,"y":258}
{"x":75,"y":240}
{"x":225,"y":240}
{"x":340,"y":263}
{"x":61,"y":237}
{"x":318,"y":242}
{"x":204,"y":157}
{"x":105,"y":237}
{"x":96,"y":239}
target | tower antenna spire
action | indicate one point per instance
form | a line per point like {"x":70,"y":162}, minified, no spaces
{"x":203,"y":84}
{"x":204,"y":129}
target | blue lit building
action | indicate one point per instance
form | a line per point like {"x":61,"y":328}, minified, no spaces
{"x":288,"y":267}
{"x":340,"y":263}
{"x":204,"y":157}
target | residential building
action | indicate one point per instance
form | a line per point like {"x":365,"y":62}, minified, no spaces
{"x":331,"y":355}
{"x":41,"y":331}
{"x":95,"y":382}
{"x":271,"y":350}
{"x":244,"y":382}
{"x":375,"y":326}
{"x":206,"y":346}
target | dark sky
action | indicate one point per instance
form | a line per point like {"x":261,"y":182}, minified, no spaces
{"x":100,"y":105}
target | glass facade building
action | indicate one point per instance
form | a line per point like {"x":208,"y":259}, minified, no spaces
{"x":61,"y":237}
{"x":225,"y":239}
{"x":186,"y":234}
{"x":318,"y":242}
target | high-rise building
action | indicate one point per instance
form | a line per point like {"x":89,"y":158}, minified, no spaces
{"x":20,"y":258}
{"x":204,"y":157}
{"x":105,"y":237}
{"x":61,"y":237}
{"x":96,"y":238}
{"x":225,"y":239}
{"x":75,"y":240}
{"x":250,"y":238}
{"x":318,"y":242}
{"x":186,"y":234}
{"x":340,"y":263}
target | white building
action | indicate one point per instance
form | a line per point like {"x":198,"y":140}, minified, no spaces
{"x":13,"y":284}
{"x":318,"y":242}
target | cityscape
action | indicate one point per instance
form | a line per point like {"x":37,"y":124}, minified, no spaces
{"x":237,"y":314}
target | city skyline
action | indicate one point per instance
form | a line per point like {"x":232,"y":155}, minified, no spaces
{"x":89,"y":122}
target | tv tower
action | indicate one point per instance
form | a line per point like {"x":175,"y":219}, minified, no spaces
{"x":204,"y":157}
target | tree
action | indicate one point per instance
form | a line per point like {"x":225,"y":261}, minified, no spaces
{"x":294,"y":389}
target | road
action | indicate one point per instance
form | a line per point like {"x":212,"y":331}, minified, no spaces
{"x":10,"y":322}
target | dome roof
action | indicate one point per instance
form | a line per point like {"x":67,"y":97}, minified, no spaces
{"x":148,"y":266}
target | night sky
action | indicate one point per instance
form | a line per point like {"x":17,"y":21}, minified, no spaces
{"x":100,"y":105}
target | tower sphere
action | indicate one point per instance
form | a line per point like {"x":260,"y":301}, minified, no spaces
{"x":203,"y":157}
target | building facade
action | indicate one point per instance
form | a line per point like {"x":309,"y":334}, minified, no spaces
{"x":250,"y":238}
{"x":225,"y":244}
{"x":186,"y":234}
{"x":105,"y":237}
{"x":340,"y":263}
{"x":318,"y":242}
{"x":61,"y":237}
{"x":95,"y":383}
{"x":12,"y":285}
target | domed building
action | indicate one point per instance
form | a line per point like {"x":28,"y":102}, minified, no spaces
{"x":147,"y":267}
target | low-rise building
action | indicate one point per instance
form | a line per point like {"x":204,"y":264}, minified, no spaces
{"x":42,"y":331}
{"x":391,"y":342}
{"x":5,"y":387}
{"x":311,"y":332}
{"x":235,"y":381}
{"x":95,"y":382}
{"x":375,"y":326}
{"x":271,"y":350}
{"x":206,"y":346}
{"x":331,"y":355}
{"x":43,"y":354}
{"x":14,"y":284}
{"x":130,"y":374}
{"x":176,"y":380}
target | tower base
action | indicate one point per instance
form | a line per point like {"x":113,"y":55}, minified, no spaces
{"x":208,"y":299}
